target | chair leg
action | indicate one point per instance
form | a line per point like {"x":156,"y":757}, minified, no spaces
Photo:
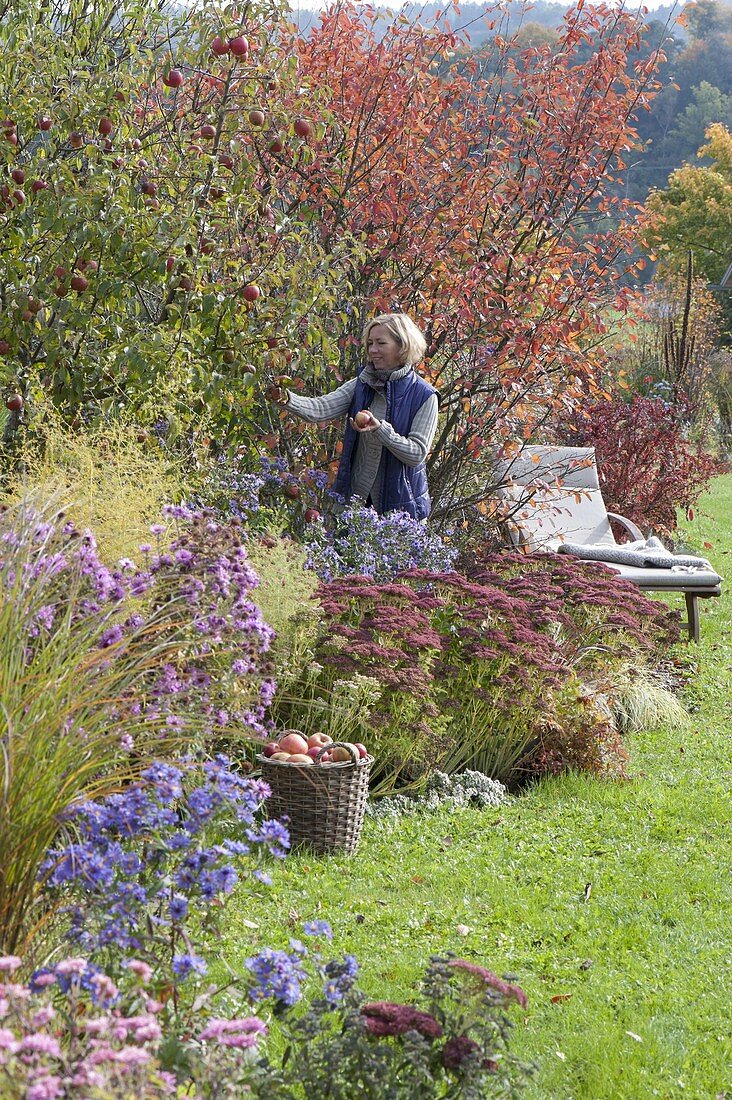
{"x":692,"y":610}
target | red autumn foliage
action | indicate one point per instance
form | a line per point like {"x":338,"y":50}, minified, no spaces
{"x":467,"y":175}
{"x":648,"y":469}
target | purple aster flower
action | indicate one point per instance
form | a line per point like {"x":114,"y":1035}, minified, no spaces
{"x":318,"y":928}
{"x":186,"y":964}
{"x":178,"y":907}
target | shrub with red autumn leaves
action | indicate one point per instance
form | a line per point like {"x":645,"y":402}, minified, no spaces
{"x":479,"y":185}
{"x":648,"y":469}
{"x":485,"y":672}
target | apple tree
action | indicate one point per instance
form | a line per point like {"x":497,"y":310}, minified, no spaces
{"x":147,"y":264}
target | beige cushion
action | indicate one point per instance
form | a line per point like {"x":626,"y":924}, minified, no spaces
{"x":553,"y":516}
{"x":574,"y":467}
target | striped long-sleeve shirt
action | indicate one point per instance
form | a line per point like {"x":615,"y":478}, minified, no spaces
{"x":411,"y":450}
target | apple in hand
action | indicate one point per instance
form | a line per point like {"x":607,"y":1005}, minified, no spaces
{"x":293,"y":742}
{"x":278,"y":394}
{"x":362,"y":419}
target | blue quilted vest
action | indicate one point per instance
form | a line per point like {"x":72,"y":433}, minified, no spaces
{"x":403,"y":488}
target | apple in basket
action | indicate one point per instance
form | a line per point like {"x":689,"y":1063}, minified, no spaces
{"x":293,"y":742}
{"x":300,"y":758}
{"x":280,"y":756}
{"x":341,"y":753}
{"x":270,"y":748}
{"x":319,"y":740}
{"x":362,"y":750}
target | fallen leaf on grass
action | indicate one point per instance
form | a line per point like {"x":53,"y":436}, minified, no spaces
{"x":586,"y":964}
{"x":418,"y":879}
{"x":634,"y":1036}
{"x":559,"y":998}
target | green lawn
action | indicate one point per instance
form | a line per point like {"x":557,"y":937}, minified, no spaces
{"x":610,"y":903}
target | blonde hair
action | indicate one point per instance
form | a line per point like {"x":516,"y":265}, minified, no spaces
{"x":410,"y":339}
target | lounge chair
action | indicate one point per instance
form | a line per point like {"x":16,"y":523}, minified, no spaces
{"x":552,"y":500}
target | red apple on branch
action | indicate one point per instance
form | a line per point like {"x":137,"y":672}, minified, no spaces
{"x":219,"y":47}
{"x":14,"y":402}
{"x":256,"y":117}
{"x":239,"y":46}
{"x":302,"y":127}
{"x":251,"y":292}
{"x":173,"y":78}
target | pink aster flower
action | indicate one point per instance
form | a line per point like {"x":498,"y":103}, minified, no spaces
{"x":67,"y":968}
{"x":242,"y":1033}
{"x":141,"y":969}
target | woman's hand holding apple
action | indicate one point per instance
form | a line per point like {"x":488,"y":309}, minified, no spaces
{"x":365,"y":421}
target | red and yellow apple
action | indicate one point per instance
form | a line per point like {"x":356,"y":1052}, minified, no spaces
{"x":293,"y":742}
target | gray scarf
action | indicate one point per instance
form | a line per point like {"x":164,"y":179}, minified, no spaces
{"x":378,"y":382}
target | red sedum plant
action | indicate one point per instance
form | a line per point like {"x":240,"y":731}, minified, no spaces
{"x":495,"y":672}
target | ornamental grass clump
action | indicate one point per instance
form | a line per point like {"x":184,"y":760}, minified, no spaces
{"x":101,"y":668}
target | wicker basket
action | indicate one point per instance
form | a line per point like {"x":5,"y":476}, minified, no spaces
{"x":324,"y":804}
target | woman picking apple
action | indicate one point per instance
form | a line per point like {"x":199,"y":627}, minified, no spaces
{"x":392,"y":418}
